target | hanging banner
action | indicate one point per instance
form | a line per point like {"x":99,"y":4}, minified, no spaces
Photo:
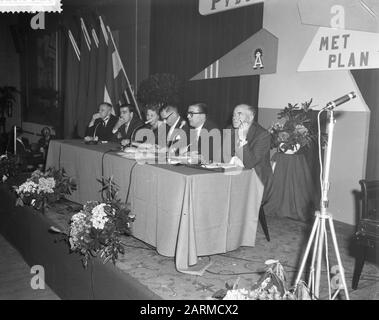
{"x":336,"y":49}
{"x":256,"y":55}
{"x":207,"y":7}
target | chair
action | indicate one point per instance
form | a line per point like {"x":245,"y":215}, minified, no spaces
{"x":367,"y":235}
{"x":262,"y":220}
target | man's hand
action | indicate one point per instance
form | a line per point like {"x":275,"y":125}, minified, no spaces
{"x":119,"y":123}
{"x":94,"y":117}
{"x":242,"y":131}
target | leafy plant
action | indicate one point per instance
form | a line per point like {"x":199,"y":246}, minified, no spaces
{"x":160,"y":88}
{"x":294,"y":128}
{"x":270,"y":286}
{"x":44,"y":188}
{"x":97,"y":229}
{"x":8,"y":167}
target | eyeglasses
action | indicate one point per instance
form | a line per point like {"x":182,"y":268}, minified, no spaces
{"x":165,"y":118}
{"x":190,"y":113}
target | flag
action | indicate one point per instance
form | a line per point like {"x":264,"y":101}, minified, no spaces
{"x":116,"y":85}
{"x":101,"y":62}
{"x":81,"y":102}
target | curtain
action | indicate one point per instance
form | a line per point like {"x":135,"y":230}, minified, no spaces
{"x":183,"y":43}
{"x":368,"y":82}
{"x":70,"y":78}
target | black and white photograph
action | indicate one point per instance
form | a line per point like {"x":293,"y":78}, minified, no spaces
{"x":192,"y":151}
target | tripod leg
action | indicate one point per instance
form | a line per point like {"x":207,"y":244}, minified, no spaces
{"x":319,"y":257}
{"x":327,"y":264}
{"x":311,"y":278}
{"x":313,"y":232}
{"x":341,"y":269}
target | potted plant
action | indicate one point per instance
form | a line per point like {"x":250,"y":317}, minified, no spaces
{"x":294,"y":130}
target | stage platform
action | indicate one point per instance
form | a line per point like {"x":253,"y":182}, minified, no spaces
{"x":141,"y":273}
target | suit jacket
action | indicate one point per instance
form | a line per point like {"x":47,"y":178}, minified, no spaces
{"x":135,"y":123}
{"x":256,"y":154}
{"x":103,"y":132}
{"x":213,"y":152}
{"x":175,"y":137}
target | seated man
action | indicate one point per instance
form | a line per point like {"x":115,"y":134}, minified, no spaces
{"x":43,"y":143}
{"x":253,"y":145}
{"x":25,"y":157}
{"x":170,"y":115}
{"x":127,"y":124}
{"x":205,"y":137}
{"x":101,"y":124}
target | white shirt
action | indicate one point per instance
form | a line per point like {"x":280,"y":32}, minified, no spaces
{"x":198,"y":131}
{"x":172,"y":128}
{"x":106,"y":121}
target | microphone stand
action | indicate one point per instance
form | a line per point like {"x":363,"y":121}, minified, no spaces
{"x":319,"y":235}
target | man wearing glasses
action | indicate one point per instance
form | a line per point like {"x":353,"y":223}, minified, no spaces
{"x":171,"y":117}
{"x":205,"y":136}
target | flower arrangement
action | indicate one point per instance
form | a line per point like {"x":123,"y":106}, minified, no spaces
{"x":294,"y":129}
{"x":271,"y":286}
{"x":8,"y":167}
{"x":43,"y":188}
{"x":97,"y":229}
{"x":160,"y":88}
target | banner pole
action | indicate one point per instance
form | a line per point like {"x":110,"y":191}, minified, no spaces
{"x":123,"y":70}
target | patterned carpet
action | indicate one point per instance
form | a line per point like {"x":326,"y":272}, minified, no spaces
{"x":288,"y":241}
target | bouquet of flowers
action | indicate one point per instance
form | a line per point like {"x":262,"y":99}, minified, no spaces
{"x":97,"y":229}
{"x":43,"y":188}
{"x":8,"y":167}
{"x":271,"y":286}
{"x":294,"y":129}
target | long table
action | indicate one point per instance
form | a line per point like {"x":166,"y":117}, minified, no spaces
{"x":182,"y":211}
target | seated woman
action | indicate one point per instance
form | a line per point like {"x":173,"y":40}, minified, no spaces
{"x":158,"y":127}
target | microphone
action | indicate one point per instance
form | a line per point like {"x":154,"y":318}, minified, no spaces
{"x":182,"y":124}
{"x":135,"y":130}
{"x":331,"y":105}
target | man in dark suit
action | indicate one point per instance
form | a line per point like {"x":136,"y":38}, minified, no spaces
{"x":127,"y":124}
{"x":176,"y":123}
{"x":205,"y":136}
{"x":253,"y":145}
{"x":101,"y":124}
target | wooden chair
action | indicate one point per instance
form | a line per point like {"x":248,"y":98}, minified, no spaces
{"x":367,"y":236}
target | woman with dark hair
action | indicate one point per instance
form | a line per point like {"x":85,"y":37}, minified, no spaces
{"x":158,"y":127}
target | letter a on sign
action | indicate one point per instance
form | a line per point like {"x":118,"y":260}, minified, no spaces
{"x":37,"y":281}
{"x":258,"y":59}
{"x":256,"y":55}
